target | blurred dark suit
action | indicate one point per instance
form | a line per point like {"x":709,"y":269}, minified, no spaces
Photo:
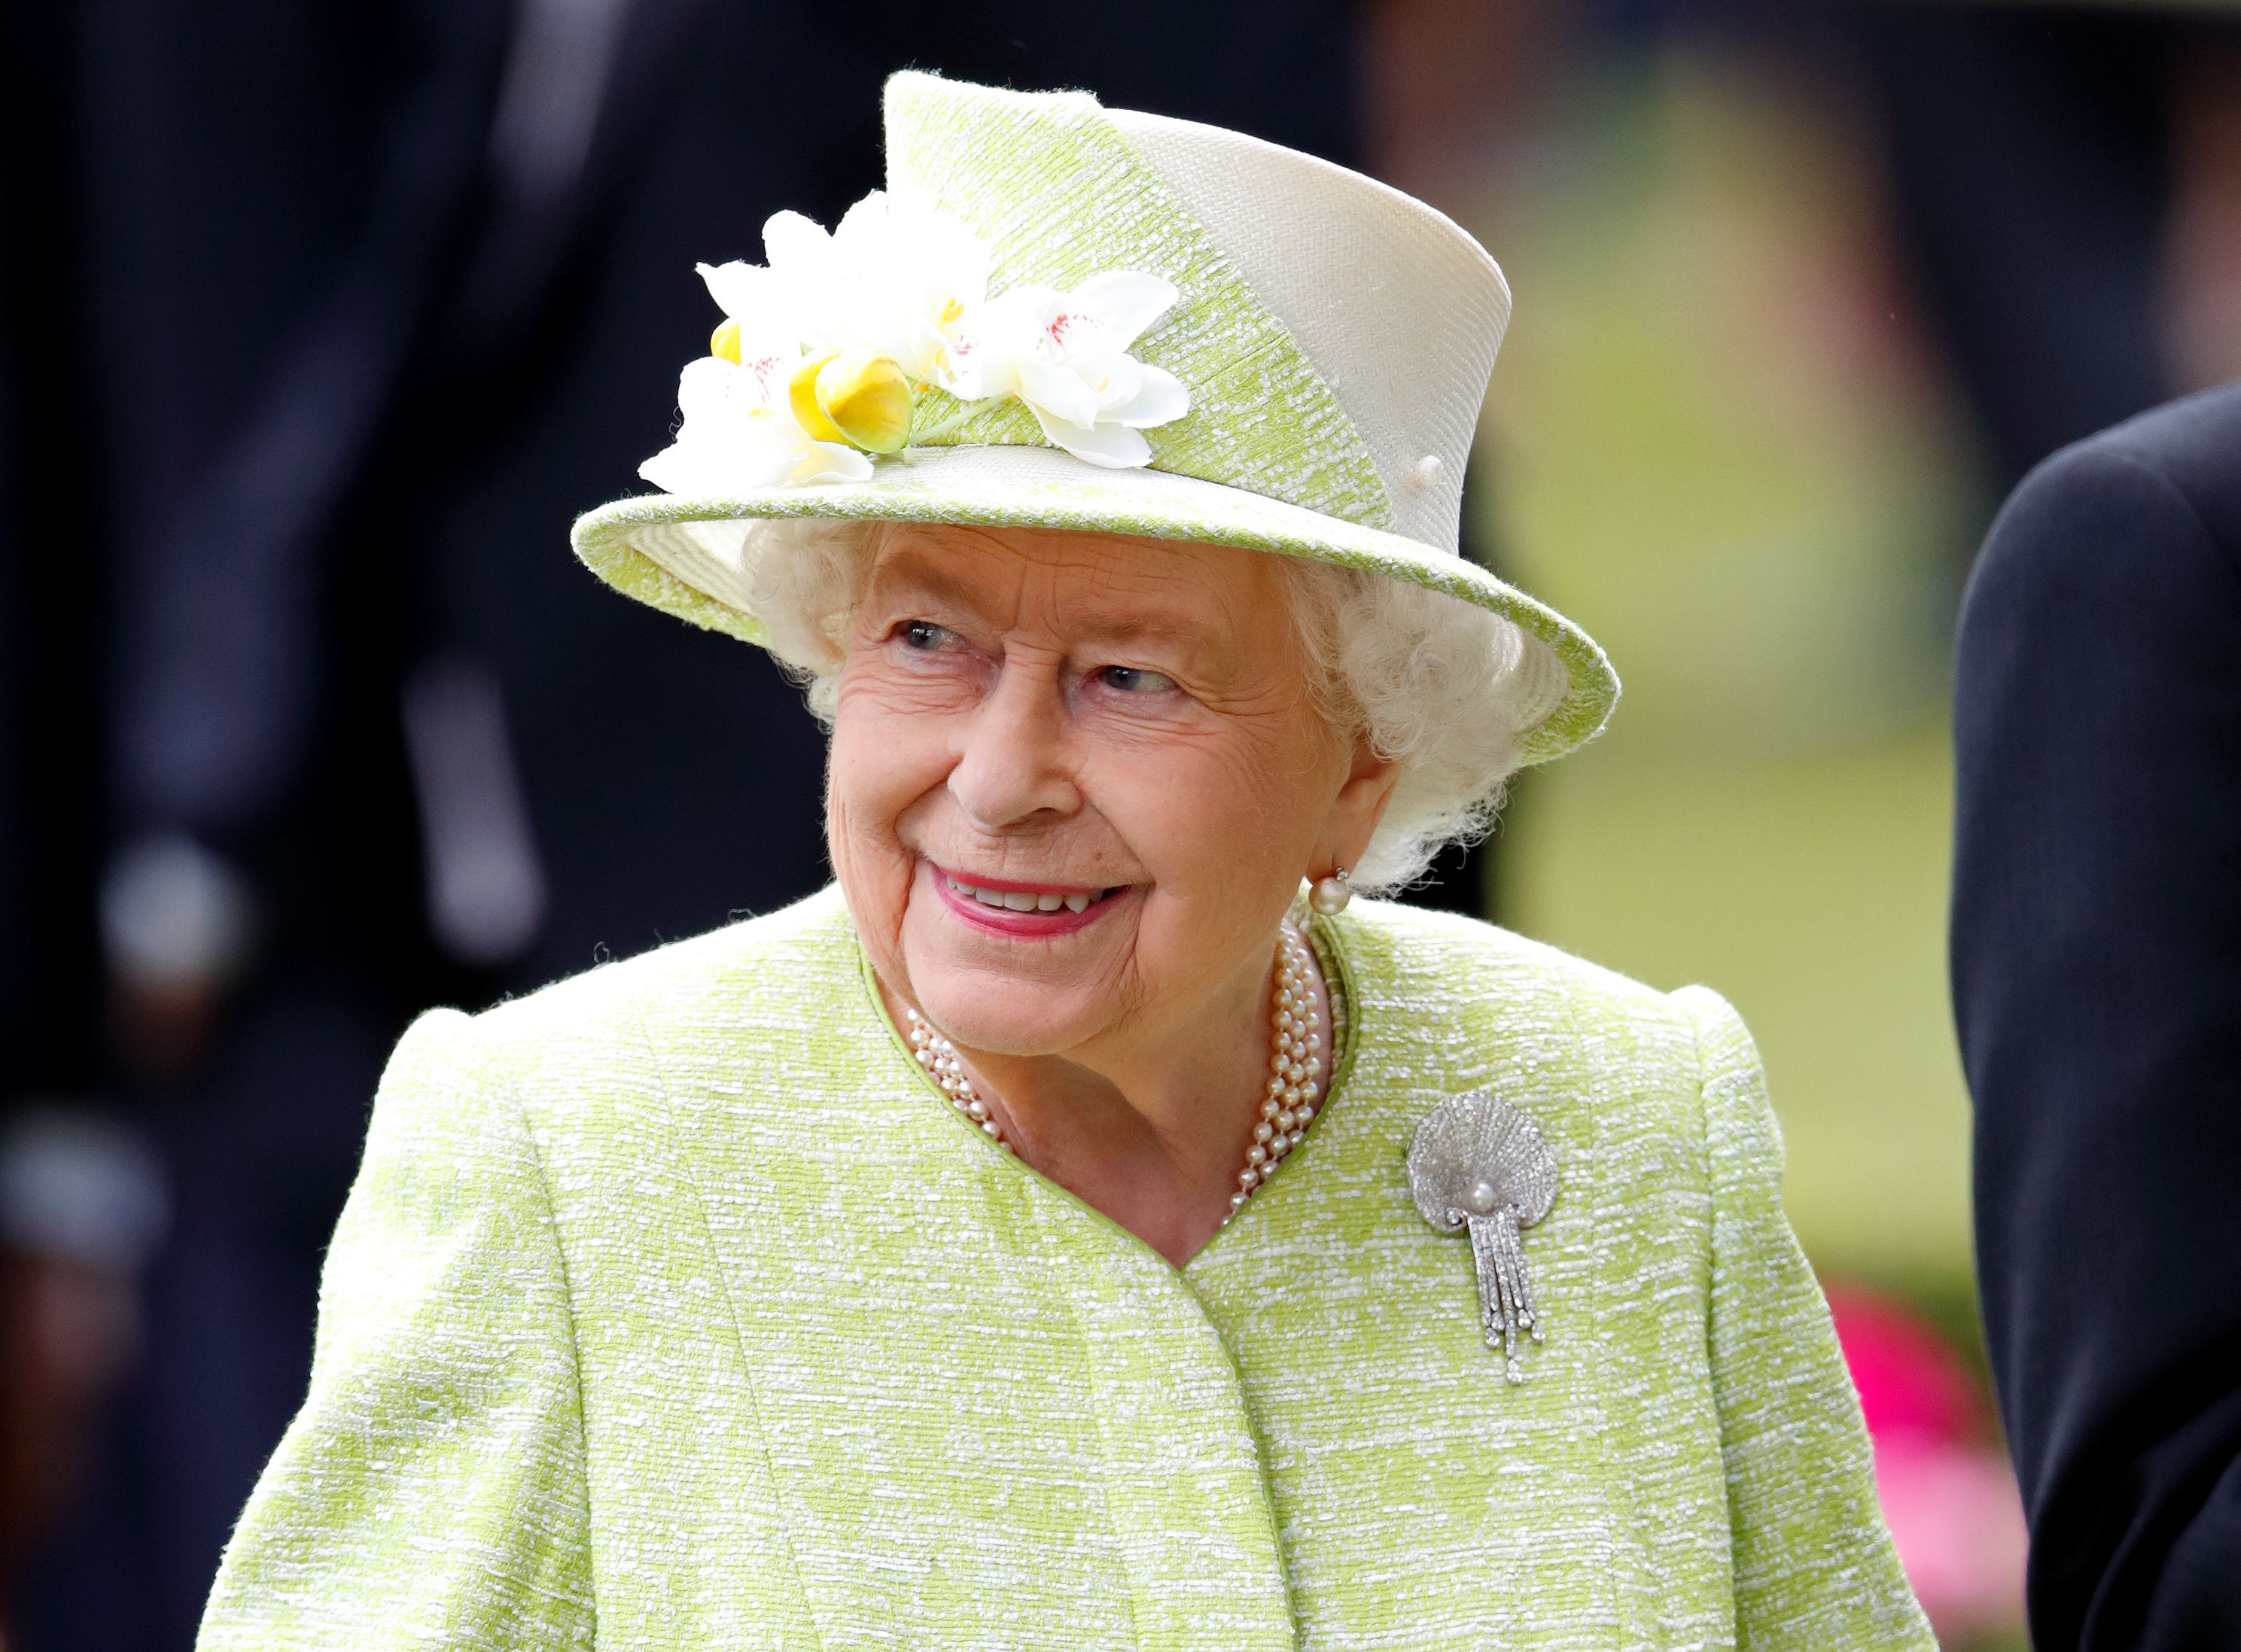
{"x":367,"y":301}
{"x":2097,"y":978}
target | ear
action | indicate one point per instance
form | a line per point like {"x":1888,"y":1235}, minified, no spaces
{"x":1359,"y":805}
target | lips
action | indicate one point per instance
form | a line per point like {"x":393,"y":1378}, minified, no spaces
{"x":1022,"y":911}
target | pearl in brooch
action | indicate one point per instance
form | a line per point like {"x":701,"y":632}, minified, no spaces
{"x":1287,"y":1107}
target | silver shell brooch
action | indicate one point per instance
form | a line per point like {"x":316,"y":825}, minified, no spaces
{"x":1478,"y":1164}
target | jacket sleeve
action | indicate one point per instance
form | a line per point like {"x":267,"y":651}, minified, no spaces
{"x":2097,"y":985}
{"x":1814,"y":1565}
{"x":431,"y":1491}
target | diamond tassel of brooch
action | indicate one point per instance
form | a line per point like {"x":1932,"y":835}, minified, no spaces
{"x":1478,"y":1164}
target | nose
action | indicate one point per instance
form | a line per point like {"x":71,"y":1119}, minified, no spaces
{"x":1012,"y":754}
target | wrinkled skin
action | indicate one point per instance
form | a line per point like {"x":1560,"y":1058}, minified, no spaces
{"x":1076,"y":712}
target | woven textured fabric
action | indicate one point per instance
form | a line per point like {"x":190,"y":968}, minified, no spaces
{"x":1060,"y":196}
{"x":675,"y":1309}
{"x":1334,"y":336}
{"x":1409,"y":369}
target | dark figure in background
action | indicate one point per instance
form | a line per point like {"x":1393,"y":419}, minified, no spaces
{"x":2096,"y":979}
{"x":2028,"y":155}
{"x":340,"y":314}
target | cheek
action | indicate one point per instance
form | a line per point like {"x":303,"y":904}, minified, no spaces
{"x":882,"y":762}
{"x":1212,"y":817}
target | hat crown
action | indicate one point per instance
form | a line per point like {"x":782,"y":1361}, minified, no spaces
{"x":1400,"y":310}
{"x":1335,"y":335}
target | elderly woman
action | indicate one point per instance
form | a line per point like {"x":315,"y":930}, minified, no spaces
{"x":1091,"y":1224}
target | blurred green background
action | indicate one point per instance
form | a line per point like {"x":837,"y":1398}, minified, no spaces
{"x":1717,"y":441}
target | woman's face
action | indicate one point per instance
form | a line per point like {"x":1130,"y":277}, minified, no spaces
{"x":1076,"y":780}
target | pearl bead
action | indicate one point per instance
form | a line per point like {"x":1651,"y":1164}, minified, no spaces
{"x":1285,"y":1109}
{"x":1482,"y":1198}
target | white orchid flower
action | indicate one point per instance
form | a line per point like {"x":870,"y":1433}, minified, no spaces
{"x":896,"y":279}
{"x":761,"y":330}
{"x":1066,"y":355}
{"x":739,"y":435}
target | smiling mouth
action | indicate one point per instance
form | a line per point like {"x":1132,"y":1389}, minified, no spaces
{"x":1030,"y":900}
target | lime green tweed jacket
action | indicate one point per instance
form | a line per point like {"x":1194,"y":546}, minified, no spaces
{"x":673,"y":1309}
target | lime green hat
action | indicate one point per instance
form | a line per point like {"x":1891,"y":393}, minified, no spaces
{"x":1063,"y":316}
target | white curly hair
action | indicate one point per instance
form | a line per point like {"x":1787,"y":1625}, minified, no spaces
{"x":1441,"y":687}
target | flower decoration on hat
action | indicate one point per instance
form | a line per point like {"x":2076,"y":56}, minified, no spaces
{"x":1066,"y":356}
{"x":831,"y":355}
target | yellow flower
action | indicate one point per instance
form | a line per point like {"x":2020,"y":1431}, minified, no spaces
{"x":801,"y":397}
{"x":869,"y":398}
{"x":859,"y":396}
{"x":725,"y":341}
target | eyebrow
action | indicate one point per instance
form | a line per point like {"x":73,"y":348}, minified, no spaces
{"x":915,"y":569}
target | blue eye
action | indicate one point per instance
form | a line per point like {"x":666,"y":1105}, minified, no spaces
{"x":924,"y":635}
{"x":1134,"y":680}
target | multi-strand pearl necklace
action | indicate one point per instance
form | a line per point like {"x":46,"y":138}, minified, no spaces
{"x":1295,"y":1067}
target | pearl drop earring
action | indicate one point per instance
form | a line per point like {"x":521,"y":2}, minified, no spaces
{"x":1330,"y":894}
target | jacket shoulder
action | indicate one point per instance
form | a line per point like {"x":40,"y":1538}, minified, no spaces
{"x":2154,"y":500}
{"x":610,"y":1021}
{"x":1617,"y":1074}
{"x":1480,"y":999}
{"x":1480,"y":965}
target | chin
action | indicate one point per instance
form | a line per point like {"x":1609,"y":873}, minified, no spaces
{"x":1010,"y":1006}
{"x":1004,"y":1020}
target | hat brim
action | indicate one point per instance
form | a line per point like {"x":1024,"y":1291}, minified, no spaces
{"x":646,"y":548}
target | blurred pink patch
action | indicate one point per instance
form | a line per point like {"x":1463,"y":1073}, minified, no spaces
{"x":1946,"y":1489}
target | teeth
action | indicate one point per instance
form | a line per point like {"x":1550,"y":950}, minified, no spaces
{"x":1022,"y":900}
